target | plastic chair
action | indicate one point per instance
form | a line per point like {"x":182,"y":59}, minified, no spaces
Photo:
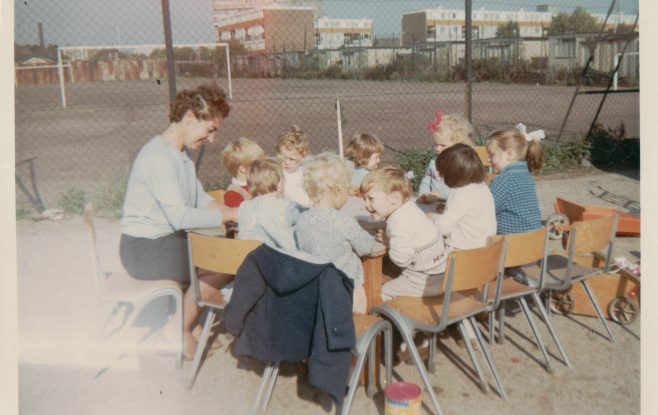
{"x":467,"y":279}
{"x":528,"y":249}
{"x":586,"y":241}
{"x":367,"y":329}
{"x":128,"y":292}
{"x":219,"y":255}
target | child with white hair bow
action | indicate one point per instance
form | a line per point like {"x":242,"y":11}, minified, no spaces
{"x":515,"y":154}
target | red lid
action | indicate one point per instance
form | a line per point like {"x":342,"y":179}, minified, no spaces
{"x":402,"y":391}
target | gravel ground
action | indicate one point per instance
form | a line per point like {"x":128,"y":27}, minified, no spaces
{"x":63,"y":370}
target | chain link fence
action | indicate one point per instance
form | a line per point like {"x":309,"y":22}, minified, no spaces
{"x":92,"y":86}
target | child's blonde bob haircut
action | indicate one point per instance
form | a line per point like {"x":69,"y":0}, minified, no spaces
{"x":263,"y":177}
{"x":389,"y":180}
{"x":241,"y":152}
{"x":456,"y":127}
{"x":294,"y":140}
{"x":325,"y":172}
{"x":361,"y":147}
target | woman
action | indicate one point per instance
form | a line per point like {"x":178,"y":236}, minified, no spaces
{"x":164,"y":197}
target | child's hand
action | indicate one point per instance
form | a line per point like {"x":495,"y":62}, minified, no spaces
{"x":431,"y":215}
{"x":359,"y":301}
{"x":354,"y":191}
{"x":427,"y":198}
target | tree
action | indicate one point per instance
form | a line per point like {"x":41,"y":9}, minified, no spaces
{"x":579,"y":21}
{"x":508,"y":30}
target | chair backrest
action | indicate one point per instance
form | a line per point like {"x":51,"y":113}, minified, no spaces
{"x":474,"y":268}
{"x":484,"y":157}
{"x":524,"y":248}
{"x":97,"y":274}
{"x":592,"y":235}
{"x":219,"y":254}
{"x":218,"y":195}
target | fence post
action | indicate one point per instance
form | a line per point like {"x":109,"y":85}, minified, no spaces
{"x":469,"y":60}
{"x":171,"y":69}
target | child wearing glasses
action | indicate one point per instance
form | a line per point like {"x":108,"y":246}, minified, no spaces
{"x":238,"y":156}
{"x":328,"y":233}
{"x":292,"y":148}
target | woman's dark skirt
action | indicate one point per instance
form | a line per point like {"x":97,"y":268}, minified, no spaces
{"x":163,"y":258}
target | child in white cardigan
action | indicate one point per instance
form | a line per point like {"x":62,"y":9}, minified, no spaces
{"x":470,"y":214}
{"x":414,"y":243}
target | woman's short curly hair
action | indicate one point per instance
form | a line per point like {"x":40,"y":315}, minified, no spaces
{"x":206,"y":101}
{"x":324,"y":172}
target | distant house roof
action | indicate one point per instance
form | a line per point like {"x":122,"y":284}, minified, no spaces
{"x":36,"y":61}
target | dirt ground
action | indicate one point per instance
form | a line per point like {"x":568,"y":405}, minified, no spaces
{"x":64,"y":370}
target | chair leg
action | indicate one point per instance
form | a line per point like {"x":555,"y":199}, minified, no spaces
{"x":210,"y":318}
{"x":471,"y":353}
{"x":178,"y":315}
{"x":431,"y":367}
{"x":388,"y":352}
{"x":501,"y":323}
{"x":535,"y":332}
{"x":492,"y":327}
{"x":370,"y":388}
{"x":551,"y":329}
{"x":129,"y":308}
{"x":595,"y":304}
{"x":264,"y":382}
{"x":487,"y":356}
{"x":354,"y":378}
{"x":270,"y":385}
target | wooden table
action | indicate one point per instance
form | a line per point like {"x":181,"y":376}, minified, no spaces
{"x":372,"y":276}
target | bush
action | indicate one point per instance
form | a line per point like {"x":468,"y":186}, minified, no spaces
{"x":72,"y":201}
{"x":416,"y":161}
{"x":611,"y":148}
{"x":566,"y":155}
{"x":108,"y":197}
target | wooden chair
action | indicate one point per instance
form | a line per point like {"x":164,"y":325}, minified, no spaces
{"x":468,"y":276}
{"x":486,"y":162}
{"x":127,"y":292}
{"x":218,"y":195}
{"x":219,"y":255}
{"x":578,"y":263}
{"x":529,"y":249}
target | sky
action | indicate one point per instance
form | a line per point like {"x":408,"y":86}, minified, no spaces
{"x":122,"y":22}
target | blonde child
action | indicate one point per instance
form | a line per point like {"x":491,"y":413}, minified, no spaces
{"x":414,"y":243}
{"x":469,"y":217}
{"x":328,"y":233}
{"x":514,"y":156}
{"x":238,"y":156}
{"x":268,"y":217}
{"x":292,"y":148}
{"x":446,"y":130}
{"x":365,"y":152}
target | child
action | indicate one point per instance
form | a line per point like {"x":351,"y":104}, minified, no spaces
{"x":446,"y":130}
{"x":292,"y":148}
{"x":470,"y":215}
{"x":414,"y":242}
{"x":238,"y":155}
{"x":514,"y":155}
{"x":365,"y":152}
{"x":268,"y":217}
{"x":327,"y":233}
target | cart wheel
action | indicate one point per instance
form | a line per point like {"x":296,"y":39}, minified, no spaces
{"x":562,"y":302}
{"x":623,"y":310}
{"x":556,"y":223}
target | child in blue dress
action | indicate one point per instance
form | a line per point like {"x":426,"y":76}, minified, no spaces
{"x":514,"y":155}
